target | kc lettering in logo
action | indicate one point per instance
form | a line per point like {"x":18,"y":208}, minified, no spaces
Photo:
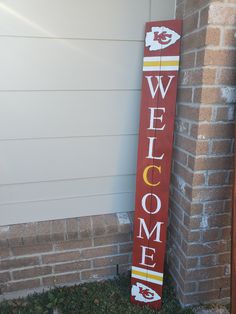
{"x":159,"y":86}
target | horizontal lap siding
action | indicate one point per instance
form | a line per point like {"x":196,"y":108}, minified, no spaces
{"x":68,"y":114}
{"x":69,"y":106}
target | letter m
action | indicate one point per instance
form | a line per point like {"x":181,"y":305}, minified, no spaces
{"x":156,"y":228}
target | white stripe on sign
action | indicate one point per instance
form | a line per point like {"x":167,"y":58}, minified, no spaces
{"x":147,"y":275}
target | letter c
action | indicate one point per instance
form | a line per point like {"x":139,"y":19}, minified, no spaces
{"x":145,"y":172}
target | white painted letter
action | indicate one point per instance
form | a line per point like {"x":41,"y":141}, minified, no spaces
{"x":150,"y":149}
{"x":144,"y":256}
{"x":157,"y":227}
{"x":158,"y":207}
{"x":159,"y":84}
{"x":153,"y":117}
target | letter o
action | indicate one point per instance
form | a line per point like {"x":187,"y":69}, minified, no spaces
{"x":144,"y":203}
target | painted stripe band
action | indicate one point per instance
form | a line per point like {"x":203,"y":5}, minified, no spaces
{"x":161,"y":63}
{"x":147,"y":275}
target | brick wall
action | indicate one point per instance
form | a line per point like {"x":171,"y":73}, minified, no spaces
{"x":46,"y":254}
{"x":200,"y":214}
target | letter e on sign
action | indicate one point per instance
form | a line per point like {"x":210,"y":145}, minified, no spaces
{"x":159,"y":87}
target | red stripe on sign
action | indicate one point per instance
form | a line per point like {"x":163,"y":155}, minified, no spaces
{"x":159,"y":87}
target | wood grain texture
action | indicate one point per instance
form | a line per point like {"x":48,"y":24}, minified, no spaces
{"x":233,"y":254}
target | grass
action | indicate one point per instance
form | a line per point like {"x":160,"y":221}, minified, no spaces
{"x":110,"y":296}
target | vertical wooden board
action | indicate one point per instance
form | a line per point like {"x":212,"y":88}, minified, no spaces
{"x":159,"y":87}
{"x":233,"y":254}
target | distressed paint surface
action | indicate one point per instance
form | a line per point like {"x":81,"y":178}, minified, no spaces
{"x":159,"y":86}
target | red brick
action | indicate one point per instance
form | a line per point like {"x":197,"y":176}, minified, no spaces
{"x":62,"y":279}
{"x":4,"y":253}
{"x":43,"y":231}
{"x":225,"y":114}
{"x":204,"y":17}
{"x":212,"y":36}
{"x":31,"y":272}
{"x":29,"y":233}
{"x":211,"y":234}
{"x":124,"y":269}
{"x":214,"y":207}
{"x":99,"y":251}
{"x":85,"y":227}
{"x":197,"y":76}
{"x":112,"y":239}
{"x":207,"y":95}
{"x":219,"y":13}
{"x":72,"y":228}
{"x":207,"y":285}
{"x":184,"y":95}
{"x":227,"y":76}
{"x":32,"y":249}
{"x":224,"y":258}
{"x":194,"y":113}
{"x":226,"y":233}
{"x":58,"y":230}
{"x":73,"y":245}
{"x":61,"y":257}
{"x":216,"y":130}
{"x":19,"y":262}
{"x":98,"y":273}
{"x":15,"y":234}
{"x":190,"y":23}
{"x":111,"y":223}
{"x":219,"y":220}
{"x":191,"y":145}
{"x":69,"y":267}
{"x":112,"y":260}
{"x":180,"y":156}
{"x":192,"y":222}
{"x":21,"y":285}
{"x":208,"y":261}
{"x":126,"y":247}
{"x":193,"y":5}
{"x":210,"y":163}
{"x":198,"y":298}
{"x":194,"y":40}
{"x":4,"y":277}
{"x":208,"y":193}
{"x":179,"y":10}
{"x":187,"y":60}
{"x":229,"y":37}
{"x":217,"y":178}
{"x":221,"y":146}
{"x":205,"y":273}
{"x":223,"y":57}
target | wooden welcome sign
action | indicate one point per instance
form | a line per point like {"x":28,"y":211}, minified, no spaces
{"x":159,"y":86}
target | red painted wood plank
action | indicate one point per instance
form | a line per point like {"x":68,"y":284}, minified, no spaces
{"x":159,"y":86}
{"x":233,"y":255}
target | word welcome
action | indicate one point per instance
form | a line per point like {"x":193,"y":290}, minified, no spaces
{"x":154,"y":161}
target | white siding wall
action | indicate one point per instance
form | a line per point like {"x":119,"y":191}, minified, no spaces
{"x":70,"y":77}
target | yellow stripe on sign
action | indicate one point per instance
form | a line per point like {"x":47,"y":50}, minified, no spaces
{"x":160,"y":63}
{"x":147,"y":275}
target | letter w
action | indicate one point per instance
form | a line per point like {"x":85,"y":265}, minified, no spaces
{"x":157,"y":227}
{"x":159,"y":84}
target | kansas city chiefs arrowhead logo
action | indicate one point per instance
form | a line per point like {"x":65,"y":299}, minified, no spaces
{"x":142,"y":293}
{"x":160,"y":38}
